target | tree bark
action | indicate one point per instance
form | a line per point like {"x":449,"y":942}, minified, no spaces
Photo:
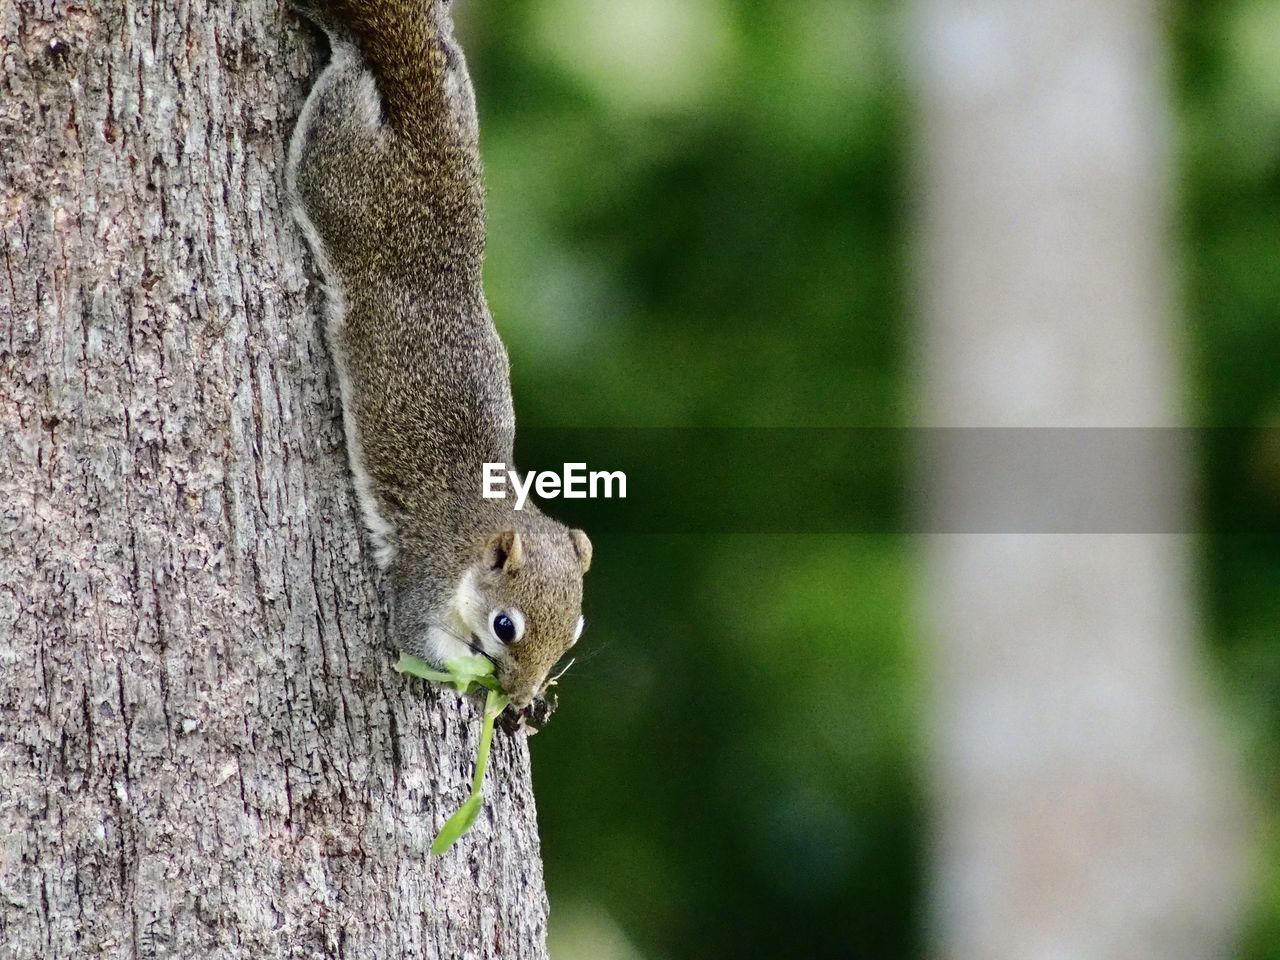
{"x":1085,"y":805}
{"x":204,"y":751}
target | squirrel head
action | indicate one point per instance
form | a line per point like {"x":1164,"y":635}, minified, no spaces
{"x":521,"y":601}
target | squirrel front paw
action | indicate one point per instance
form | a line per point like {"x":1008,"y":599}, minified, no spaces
{"x":532,"y":718}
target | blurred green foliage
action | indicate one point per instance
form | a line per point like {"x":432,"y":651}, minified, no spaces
{"x":1227,"y":72}
{"x":698,"y":217}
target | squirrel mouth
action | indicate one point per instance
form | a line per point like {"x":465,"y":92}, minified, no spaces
{"x":474,"y":644}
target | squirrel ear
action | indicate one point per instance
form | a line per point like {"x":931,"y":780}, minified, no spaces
{"x":504,"y":551}
{"x":582,"y":546}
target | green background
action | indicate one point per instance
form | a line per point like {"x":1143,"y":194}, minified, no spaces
{"x":698,"y":217}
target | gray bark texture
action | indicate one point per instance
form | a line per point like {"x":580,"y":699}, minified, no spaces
{"x":204,"y":751}
{"x":1087,"y":806}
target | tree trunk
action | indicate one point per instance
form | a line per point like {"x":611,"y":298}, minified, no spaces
{"x":1085,"y":805}
{"x":204,"y":750}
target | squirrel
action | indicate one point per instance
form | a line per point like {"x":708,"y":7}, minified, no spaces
{"x":385,"y":181}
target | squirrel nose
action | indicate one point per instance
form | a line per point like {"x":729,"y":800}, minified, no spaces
{"x":522,"y":684}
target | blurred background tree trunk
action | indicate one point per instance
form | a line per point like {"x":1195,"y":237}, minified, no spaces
{"x":1083,"y":805}
{"x":203,"y":749}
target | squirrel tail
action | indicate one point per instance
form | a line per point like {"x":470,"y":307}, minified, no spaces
{"x":409,"y":47}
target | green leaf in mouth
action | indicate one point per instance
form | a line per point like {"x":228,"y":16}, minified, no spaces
{"x":462,"y":673}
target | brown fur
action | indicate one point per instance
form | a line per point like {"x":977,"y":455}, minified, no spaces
{"x":387,"y":183}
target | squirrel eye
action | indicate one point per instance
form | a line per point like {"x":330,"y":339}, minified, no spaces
{"x":505,"y":627}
